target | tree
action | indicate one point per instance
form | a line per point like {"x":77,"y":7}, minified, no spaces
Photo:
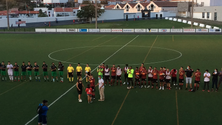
{"x":41,"y":14}
{"x":88,"y":12}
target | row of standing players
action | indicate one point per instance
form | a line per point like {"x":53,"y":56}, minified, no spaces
{"x":164,"y":76}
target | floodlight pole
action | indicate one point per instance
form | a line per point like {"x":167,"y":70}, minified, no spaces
{"x":7,"y":13}
{"x":192,"y":14}
{"x":96,"y":14}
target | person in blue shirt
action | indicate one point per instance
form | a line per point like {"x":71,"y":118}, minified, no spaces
{"x":43,"y":114}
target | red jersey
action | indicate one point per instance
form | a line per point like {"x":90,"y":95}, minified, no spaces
{"x":181,"y":74}
{"x":141,"y":68}
{"x":92,"y":82}
{"x":173,"y":73}
{"x":197,"y":76}
{"x":89,"y":90}
{"x":155,"y":74}
{"x":137,"y":74}
{"x":161,"y":74}
{"x":103,"y":67}
{"x":113,"y":71}
{"x":143,"y":74}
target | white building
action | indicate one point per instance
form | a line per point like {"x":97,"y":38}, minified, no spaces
{"x":54,"y":1}
{"x":202,"y":2}
{"x":150,"y":10}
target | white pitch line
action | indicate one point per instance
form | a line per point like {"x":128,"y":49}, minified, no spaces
{"x":83,"y":78}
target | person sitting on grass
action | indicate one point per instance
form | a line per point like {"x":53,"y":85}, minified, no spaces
{"x":89,"y":93}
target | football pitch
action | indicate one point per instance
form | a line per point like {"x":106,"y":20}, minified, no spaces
{"x":19,"y":100}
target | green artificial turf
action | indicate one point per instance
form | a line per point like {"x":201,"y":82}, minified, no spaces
{"x":19,"y":100}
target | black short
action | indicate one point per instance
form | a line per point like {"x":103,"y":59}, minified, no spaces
{"x":155,"y":81}
{"x":150,"y":79}
{"x":79,"y":74}
{"x":113,"y":77}
{"x":143,"y":79}
{"x":106,"y":78}
{"x":181,"y":80}
{"x":93,"y":88}
{"x":118,"y":77}
{"x":42,"y":119}
{"x":130,"y":79}
{"x":174,"y":79}
{"x":126,"y":76}
{"x":88,"y":73}
{"x":198,"y":82}
{"x":167,"y":80}
{"x":79,"y":92}
{"x":137,"y":80}
{"x":70,"y":75}
{"x":161,"y":80}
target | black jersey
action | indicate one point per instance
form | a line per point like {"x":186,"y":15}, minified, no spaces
{"x":53,"y":68}
{"x":16,"y":67}
{"x":23,"y":67}
{"x":45,"y":67}
{"x":36,"y":67}
{"x":3,"y":67}
{"x":29,"y":66}
{"x":60,"y":67}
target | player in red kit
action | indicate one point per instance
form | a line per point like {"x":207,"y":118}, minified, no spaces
{"x":197,"y":75}
{"x":89,"y":93}
{"x":181,"y":77}
{"x":137,"y":76}
{"x":150,"y":76}
{"x":174,"y":77}
{"x":155,"y":77}
{"x":92,"y":85}
{"x":141,"y":68}
{"x":161,"y":78}
{"x":143,"y":77}
{"x":168,"y":77}
{"x":113,"y":75}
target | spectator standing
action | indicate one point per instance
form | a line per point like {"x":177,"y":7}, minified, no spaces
{"x":189,"y":75}
{"x":215,"y":79}
{"x":220,"y":81}
{"x":101,"y":88}
{"x":206,"y":80}
{"x":42,"y":110}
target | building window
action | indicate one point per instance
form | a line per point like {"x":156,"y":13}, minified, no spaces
{"x":152,"y":6}
{"x":203,"y":15}
{"x":138,"y":8}
{"x":208,"y":15}
{"x":127,"y":8}
{"x":215,"y":15}
{"x":117,"y":7}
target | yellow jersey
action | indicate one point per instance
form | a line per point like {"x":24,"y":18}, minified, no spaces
{"x":70,"y":69}
{"x":87,"y":69}
{"x":79,"y":68}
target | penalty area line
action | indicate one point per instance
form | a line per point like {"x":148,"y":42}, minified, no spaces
{"x":83,"y":79}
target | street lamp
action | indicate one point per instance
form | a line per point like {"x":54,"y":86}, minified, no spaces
{"x":96,"y":14}
{"x":7,"y":13}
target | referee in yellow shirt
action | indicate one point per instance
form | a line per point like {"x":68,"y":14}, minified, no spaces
{"x":70,"y":71}
{"x":79,"y":71}
{"x":88,"y":72}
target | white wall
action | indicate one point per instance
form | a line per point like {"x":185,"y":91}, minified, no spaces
{"x":210,"y":2}
{"x":3,"y":22}
{"x":111,"y":15}
{"x":55,"y":1}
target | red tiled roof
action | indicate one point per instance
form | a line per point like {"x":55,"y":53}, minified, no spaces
{"x":144,"y":4}
{"x":10,"y":12}
{"x":28,"y":12}
{"x":132,"y":4}
{"x":166,"y":4}
{"x":110,"y":6}
{"x":59,"y":9}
